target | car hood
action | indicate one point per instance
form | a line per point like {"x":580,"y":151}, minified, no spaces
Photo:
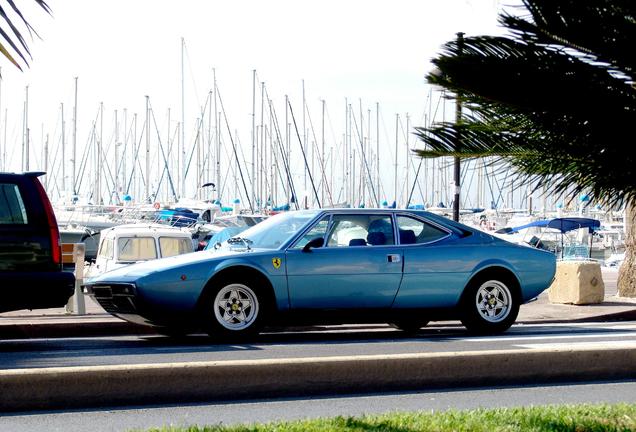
{"x":210,"y":257}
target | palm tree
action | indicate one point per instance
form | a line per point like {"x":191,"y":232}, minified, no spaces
{"x":11,"y":39}
{"x":554,"y":99}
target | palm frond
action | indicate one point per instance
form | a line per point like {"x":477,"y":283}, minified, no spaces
{"x":553,"y":103}
{"x":8,"y":55}
{"x":603,"y":29}
{"x":14,"y":38}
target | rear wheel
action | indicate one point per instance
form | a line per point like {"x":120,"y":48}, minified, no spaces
{"x":490,"y":305}
{"x":232,"y":309}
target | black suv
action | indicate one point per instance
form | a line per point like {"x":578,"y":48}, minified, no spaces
{"x":31,"y":275}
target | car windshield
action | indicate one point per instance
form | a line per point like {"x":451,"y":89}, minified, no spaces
{"x":276,"y":230}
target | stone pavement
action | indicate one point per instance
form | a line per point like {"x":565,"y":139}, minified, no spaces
{"x":96,"y":322}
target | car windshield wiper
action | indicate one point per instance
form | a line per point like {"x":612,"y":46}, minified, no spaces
{"x":243,"y":240}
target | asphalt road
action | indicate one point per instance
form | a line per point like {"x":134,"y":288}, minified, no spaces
{"x":122,"y":419}
{"x":331,"y":341}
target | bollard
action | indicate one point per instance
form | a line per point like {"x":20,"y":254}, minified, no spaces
{"x":74,"y":252}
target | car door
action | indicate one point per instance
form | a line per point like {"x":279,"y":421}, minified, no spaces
{"x":436,"y":265}
{"x":359,"y":265}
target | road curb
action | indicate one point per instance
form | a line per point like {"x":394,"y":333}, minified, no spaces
{"x":77,"y":387}
{"x":78,"y":328}
{"x":82,"y":327}
{"x":628,"y":315}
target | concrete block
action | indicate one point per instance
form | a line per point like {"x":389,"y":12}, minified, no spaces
{"x":577,"y":282}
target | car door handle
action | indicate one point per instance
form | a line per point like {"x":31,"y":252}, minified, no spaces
{"x":394,"y":258}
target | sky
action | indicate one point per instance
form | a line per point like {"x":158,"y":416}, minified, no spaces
{"x":121,"y":51}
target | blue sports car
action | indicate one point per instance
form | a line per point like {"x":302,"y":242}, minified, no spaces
{"x":403,"y":267}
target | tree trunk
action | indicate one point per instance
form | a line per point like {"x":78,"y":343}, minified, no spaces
{"x":627,"y":273}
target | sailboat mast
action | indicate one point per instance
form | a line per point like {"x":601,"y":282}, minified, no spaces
{"x":46,"y":158}
{"x":345,"y":159}
{"x":304,"y":148}
{"x":363,"y":152}
{"x":274,"y":168}
{"x":147,"y":189}
{"x":290,"y":193}
{"x":183,"y":151}
{"x":98,"y":159}
{"x":262,"y":162}
{"x":169,"y":141}
{"x":209,"y":168}
{"x":395,"y":165}
{"x":408,"y":160}
{"x":116,"y":176}
{"x":25,"y":137}
{"x":74,"y":164}
{"x":322,"y":133}
{"x":63,"y":149}
{"x":372,"y":195}
{"x":377,"y":149}
{"x":217,"y":142}
{"x":123,"y":165}
{"x":253,"y":136}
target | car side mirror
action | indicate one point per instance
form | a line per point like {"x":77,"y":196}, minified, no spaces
{"x":315,"y":243}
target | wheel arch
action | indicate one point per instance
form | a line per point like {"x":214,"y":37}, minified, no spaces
{"x":495,"y":271}
{"x":243,"y":272}
{"x":472,"y":315}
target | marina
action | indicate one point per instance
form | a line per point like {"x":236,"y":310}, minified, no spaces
{"x":124,"y":167}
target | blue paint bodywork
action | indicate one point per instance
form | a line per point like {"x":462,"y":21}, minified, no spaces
{"x":385,"y":277}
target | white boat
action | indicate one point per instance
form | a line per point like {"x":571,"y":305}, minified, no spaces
{"x":569,"y":238}
{"x":74,"y":233}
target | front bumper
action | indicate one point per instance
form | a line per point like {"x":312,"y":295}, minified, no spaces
{"x":115,"y":298}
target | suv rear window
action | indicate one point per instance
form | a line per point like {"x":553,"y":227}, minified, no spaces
{"x":12,"y":209}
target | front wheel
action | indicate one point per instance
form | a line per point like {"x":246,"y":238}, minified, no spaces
{"x":233,"y":309}
{"x":490,"y":305}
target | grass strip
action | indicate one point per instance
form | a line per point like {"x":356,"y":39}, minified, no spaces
{"x":558,"y":418}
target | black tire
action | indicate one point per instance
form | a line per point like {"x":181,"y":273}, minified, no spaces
{"x":232,"y":309}
{"x":490,"y":304}
{"x":408,"y":326}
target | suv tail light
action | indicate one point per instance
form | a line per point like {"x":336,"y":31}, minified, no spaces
{"x":54,"y":231}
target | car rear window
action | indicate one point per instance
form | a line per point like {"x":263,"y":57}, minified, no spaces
{"x":12,"y":209}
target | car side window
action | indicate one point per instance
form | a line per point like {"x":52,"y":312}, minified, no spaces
{"x":12,"y":209}
{"x":360,"y":230}
{"x":415,"y":231}
{"x":317,"y":231}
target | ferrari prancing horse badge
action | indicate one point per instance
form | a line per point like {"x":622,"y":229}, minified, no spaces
{"x":276,"y":263}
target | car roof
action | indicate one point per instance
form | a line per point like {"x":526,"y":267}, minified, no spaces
{"x":376,"y":211}
{"x":23,"y":174}
{"x":142,"y":229}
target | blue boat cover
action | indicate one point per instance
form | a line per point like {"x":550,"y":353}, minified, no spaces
{"x":562,"y":224}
